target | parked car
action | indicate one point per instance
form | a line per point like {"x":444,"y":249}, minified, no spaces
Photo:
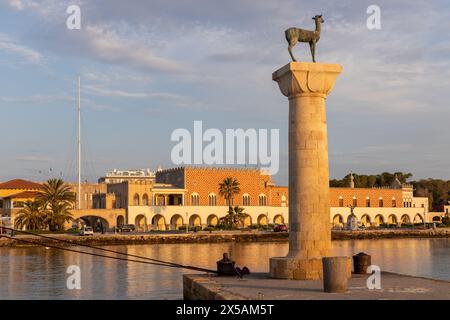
{"x":281,"y":228}
{"x":86,"y":231}
{"x":127,"y":228}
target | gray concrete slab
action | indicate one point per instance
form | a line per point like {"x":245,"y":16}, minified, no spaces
{"x":259,"y":286}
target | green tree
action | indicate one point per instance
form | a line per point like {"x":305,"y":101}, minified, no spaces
{"x":30,"y":217}
{"x":384,"y":179}
{"x":234,"y":219}
{"x":57,"y":215}
{"x":55,"y":191}
{"x":228,"y":188}
{"x":371,"y":181}
{"x":57,"y":199}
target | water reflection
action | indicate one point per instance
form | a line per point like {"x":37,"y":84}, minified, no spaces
{"x":38,"y":273}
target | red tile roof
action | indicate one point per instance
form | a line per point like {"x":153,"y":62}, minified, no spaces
{"x":20,"y":184}
{"x":23,"y":195}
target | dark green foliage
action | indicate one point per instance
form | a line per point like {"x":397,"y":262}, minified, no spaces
{"x":437,"y":190}
{"x":384,"y":179}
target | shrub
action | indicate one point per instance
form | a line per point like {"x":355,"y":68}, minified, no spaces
{"x":190,"y":228}
{"x":446,"y":220}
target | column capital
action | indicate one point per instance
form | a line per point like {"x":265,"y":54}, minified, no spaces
{"x":306,"y":78}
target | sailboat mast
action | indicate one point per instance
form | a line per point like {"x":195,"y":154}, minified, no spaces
{"x":79,"y":146}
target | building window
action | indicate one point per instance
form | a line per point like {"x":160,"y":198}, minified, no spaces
{"x":262,"y":200}
{"x":380,"y":203}
{"x":341,"y":202}
{"x":145,"y":199}
{"x":18,"y":204}
{"x":212,"y":199}
{"x":229,"y":202}
{"x":394,"y":203}
{"x":136,"y":200}
{"x":368,"y":202}
{"x":195,"y":199}
{"x":283,"y":201}
{"x":446,"y":210}
{"x":355,"y":202}
{"x":85,"y":197}
{"x":245,"y":200}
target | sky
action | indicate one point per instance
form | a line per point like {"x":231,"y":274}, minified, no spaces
{"x":150,"y":67}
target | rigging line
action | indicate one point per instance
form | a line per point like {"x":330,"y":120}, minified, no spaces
{"x":111,"y":251}
{"x":105,"y":256}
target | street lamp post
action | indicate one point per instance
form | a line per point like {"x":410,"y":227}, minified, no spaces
{"x":424,"y":219}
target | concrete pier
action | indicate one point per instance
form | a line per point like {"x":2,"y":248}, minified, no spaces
{"x":260,"y":286}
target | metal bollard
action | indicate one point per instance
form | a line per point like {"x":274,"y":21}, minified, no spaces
{"x":335,"y":277}
{"x":226,"y":266}
{"x":361,"y":262}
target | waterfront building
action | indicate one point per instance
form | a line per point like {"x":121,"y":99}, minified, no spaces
{"x":177,"y":196}
{"x":190,"y":195}
{"x":14,"y":193}
{"x":88,"y":190}
{"x":117,"y":176}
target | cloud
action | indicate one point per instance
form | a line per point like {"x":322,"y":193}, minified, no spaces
{"x":34,"y":159}
{"x":111,"y":47}
{"x":10,"y":46}
{"x":92,"y":89}
{"x":36,"y":99}
{"x":48,"y":9}
{"x":158,"y":54}
{"x":16,"y":4}
{"x":69,"y":101}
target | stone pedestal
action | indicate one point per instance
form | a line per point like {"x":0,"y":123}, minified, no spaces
{"x":306,"y":85}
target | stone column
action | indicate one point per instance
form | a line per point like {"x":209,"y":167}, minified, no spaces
{"x":306,"y":85}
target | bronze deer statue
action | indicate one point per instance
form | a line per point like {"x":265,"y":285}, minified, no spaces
{"x":294,"y":35}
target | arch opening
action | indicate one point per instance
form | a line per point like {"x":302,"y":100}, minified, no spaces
{"x":379,"y":219}
{"x":159,"y":223}
{"x":176,"y":222}
{"x":278,"y":219}
{"x":365,"y":220}
{"x":140,"y":222}
{"x":262,"y":220}
{"x":392,"y":219}
{"x":195,"y":221}
{"x":212,"y":220}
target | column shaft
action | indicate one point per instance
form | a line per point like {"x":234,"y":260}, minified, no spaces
{"x":309,"y":209}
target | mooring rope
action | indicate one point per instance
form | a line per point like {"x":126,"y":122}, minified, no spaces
{"x":154,"y":261}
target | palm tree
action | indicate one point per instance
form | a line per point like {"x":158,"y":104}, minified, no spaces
{"x":30,"y":217}
{"x":57,"y":215}
{"x":235,"y":218}
{"x":228,"y":188}
{"x":57,"y":198}
{"x":55,"y":191}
